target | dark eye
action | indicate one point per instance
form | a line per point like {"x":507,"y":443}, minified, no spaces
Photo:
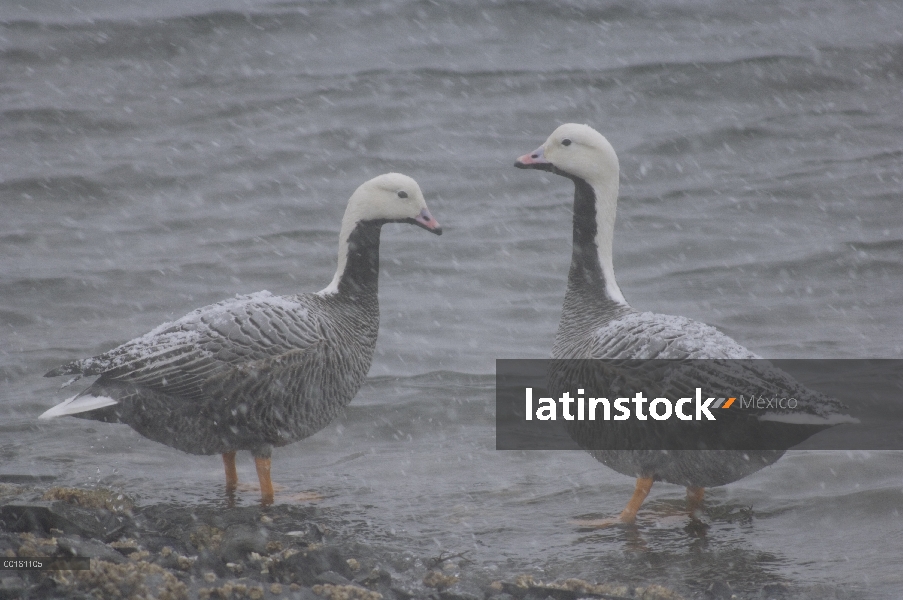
{"x":402,"y":194}
{"x":565,"y":142}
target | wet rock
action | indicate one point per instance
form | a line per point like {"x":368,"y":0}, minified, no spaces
{"x":169,"y":560}
{"x":403,"y":593}
{"x":98,"y":498}
{"x":656,"y":592}
{"x":38,"y":588}
{"x":42,"y":516}
{"x":8,"y":544}
{"x":125,"y":547}
{"x":161,"y":544}
{"x":204,"y":537}
{"x":333,"y":578}
{"x":239,"y":541}
{"x":440,"y":581}
{"x":719,"y":590}
{"x":345,"y":592}
{"x":303,"y":593}
{"x":304,"y":567}
{"x":375,"y":578}
{"x":525,"y":587}
{"x":506,"y":588}
{"x":32,"y":545}
{"x":457,"y":596}
{"x":208,"y":560}
{"x":132,"y":579}
{"x":310,"y":532}
{"x":91,"y":548}
{"x":8,"y":490}
{"x":544,"y":593}
{"x":11,"y":587}
{"x":29,"y":517}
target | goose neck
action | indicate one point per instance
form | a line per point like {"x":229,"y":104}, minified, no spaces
{"x":357,"y":275}
{"x":592,"y":275}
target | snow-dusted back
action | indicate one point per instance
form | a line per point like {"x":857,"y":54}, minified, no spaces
{"x":204,"y":333}
{"x":259,"y":370}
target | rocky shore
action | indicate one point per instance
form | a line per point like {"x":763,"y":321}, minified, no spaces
{"x":174,"y":552}
{"x":212,"y":552}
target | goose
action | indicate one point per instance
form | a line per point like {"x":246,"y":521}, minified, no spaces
{"x":256,"y":371}
{"x":598,"y":323}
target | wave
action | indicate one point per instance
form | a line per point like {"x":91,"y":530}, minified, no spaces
{"x":33,"y":121}
{"x":54,"y":188}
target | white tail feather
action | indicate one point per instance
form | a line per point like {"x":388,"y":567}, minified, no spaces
{"x":78,"y":404}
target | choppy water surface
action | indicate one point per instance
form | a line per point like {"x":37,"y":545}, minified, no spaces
{"x":156,"y":157}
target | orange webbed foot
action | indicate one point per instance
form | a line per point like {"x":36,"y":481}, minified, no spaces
{"x":628,"y":515}
{"x":600,"y":523}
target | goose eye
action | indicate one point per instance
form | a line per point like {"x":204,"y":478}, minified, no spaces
{"x":402,"y":194}
{"x":565,"y":142}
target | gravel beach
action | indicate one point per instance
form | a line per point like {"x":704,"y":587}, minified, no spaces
{"x":171,"y":551}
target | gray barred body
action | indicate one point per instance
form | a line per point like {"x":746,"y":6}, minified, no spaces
{"x":258,"y":371}
{"x":251,"y":373}
{"x":597,"y":322}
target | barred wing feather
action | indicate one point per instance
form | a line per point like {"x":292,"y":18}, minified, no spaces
{"x":179,"y":358}
{"x":697,"y":355}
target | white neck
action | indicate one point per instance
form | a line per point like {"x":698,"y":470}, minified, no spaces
{"x":606,"y":208}
{"x":344,"y":234}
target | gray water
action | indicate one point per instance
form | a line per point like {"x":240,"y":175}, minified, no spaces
{"x":156,"y":157}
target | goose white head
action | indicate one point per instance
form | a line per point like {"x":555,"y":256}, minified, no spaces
{"x":576,"y":151}
{"x":579,"y":152}
{"x":389,"y":198}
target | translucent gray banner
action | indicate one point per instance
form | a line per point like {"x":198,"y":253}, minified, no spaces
{"x":699,"y":404}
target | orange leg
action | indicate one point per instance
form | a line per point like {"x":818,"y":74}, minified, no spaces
{"x":695,"y":496}
{"x":231,"y":473}
{"x":266,"y":484}
{"x":628,"y":515}
{"x":643,"y":486}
